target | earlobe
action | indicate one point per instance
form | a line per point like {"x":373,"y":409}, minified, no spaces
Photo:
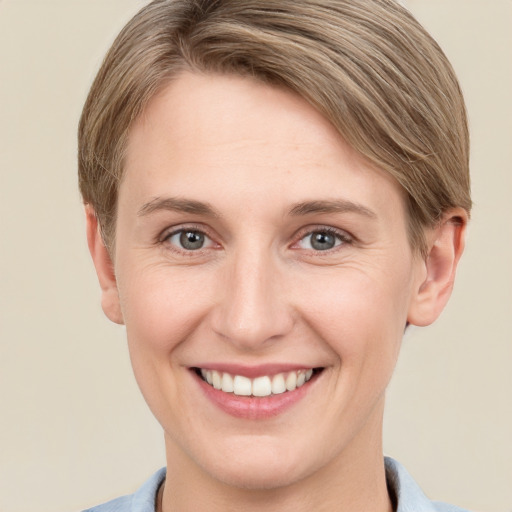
{"x":445,"y":247}
{"x":104,"y":268}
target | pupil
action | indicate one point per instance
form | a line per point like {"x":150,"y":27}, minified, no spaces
{"x":191,"y":240}
{"x":322,"y":241}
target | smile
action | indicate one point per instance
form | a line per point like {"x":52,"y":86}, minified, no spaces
{"x":262,"y":386}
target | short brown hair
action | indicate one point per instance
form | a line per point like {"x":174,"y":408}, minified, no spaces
{"x":367,"y":65}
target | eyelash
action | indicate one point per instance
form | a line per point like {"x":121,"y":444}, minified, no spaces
{"x":165,"y":239}
{"x":342,"y":238}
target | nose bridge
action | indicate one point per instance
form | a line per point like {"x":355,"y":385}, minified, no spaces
{"x":253,"y":309}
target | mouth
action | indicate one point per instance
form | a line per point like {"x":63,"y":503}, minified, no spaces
{"x":261,"y":386}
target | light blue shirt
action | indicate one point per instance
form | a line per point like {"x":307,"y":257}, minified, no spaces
{"x":409,"y":496}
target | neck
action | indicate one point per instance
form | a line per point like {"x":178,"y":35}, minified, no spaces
{"x":352,"y":481}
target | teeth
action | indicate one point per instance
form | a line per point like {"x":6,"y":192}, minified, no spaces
{"x":242,"y":386}
{"x":278,"y":384}
{"x":291,"y":381}
{"x":227,"y":383}
{"x":260,"y":386}
{"x":217,"y":380}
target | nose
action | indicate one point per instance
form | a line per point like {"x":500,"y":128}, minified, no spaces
{"x":253,"y":309}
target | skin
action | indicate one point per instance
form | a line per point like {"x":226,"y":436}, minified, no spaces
{"x":257,"y":292}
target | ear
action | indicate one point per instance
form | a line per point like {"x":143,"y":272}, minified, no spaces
{"x":104,"y":268}
{"x":445,"y":245}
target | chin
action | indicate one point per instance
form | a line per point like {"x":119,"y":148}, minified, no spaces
{"x":263,"y":468}
{"x":257,"y":478}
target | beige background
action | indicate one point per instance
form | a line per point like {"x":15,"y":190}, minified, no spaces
{"x":74,"y":430}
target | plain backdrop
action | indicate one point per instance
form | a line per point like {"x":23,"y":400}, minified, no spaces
{"x":74,"y":430}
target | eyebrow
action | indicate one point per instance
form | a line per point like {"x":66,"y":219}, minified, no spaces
{"x":334,"y":206}
{"x":300,"y":209}
{"x":178,"y":205}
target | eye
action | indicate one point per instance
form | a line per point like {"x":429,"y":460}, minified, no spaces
{"x":189,"y":240}
{"x":322,"y":240}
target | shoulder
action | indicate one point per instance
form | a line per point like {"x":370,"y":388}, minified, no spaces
{"x":408,"y":495}
{"x":122,"y":504}
{"x":143,"y":500}
{"x":446,"y":507}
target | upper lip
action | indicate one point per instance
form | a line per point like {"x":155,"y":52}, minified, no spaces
{"x":253,"y":371}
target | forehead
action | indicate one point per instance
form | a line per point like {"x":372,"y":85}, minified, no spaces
{"x":213,"y":111}
{"x":215,"y":136}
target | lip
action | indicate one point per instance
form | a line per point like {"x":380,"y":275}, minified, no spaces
{"x":253,"y":408}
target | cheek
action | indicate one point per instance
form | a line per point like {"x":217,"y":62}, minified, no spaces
{"x":161,"y":310}
{"x":361,"y":315}
{"x":162,"y":305}
{"x":355,"y":299}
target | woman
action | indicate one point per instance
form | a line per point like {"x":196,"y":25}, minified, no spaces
{"x":274,"y":190}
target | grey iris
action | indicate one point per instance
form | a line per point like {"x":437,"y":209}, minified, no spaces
{"x":322,"y":241}
{"x":191,"y":240}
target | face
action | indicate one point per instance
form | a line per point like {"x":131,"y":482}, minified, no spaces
{"x":257,"y":251}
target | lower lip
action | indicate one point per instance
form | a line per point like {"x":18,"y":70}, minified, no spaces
{"x":254,"y":408}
